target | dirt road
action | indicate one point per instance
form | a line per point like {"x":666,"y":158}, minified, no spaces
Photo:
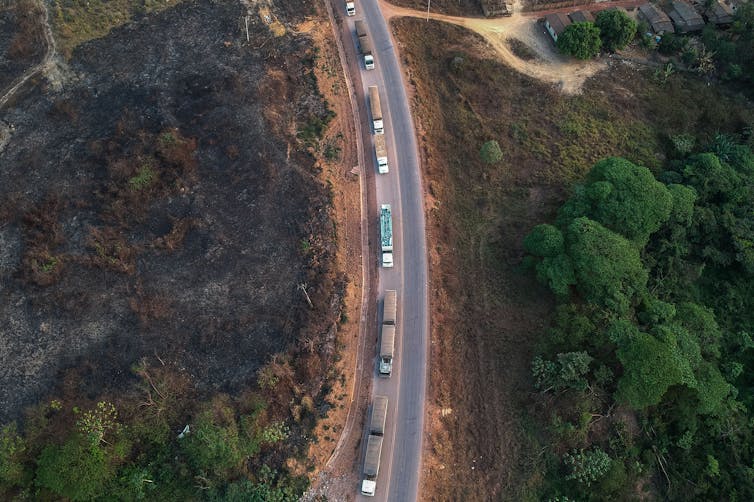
{"x":42,"y":66}
{"x":567,"y":73}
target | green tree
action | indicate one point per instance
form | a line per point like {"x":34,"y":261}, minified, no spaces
{"x":567,"y":372}
{"x":608,"y":268}
{"x":12,"y":449}
{"x":581,"y":40}
{"x":622,"y":196}
{"x":77,"y":470}
{"x":616,"y":29}
{"x":491,"y":152}
{"x":650,"y":368}
{"x":586,"y":467}
{"x":213,"y":448}
{"x":544,"y":240}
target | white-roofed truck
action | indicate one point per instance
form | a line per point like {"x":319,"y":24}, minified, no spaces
{"x":376,"y":109}
{"x":365,"y":45}
{"x":386,"y":235}
{"x":371,"y":465}
{"x":380,"y":151}
{"x":350,"y":8}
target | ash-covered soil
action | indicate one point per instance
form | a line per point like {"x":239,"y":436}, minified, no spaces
{"x":160,"y":204}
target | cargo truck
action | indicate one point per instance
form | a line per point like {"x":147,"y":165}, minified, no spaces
{"x":380,"y":151}
{"x":387,"y":347}
{"x":371,"y":465}
{"x":350,"y":8}
{"x":390,"y":307}
{"x":365,"y":45}
{"x":386,"y":235}
{"x":379,"y":416}
{"x":374,"y":106}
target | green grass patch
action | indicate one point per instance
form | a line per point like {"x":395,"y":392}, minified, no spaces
{"x":78,"y":21}
{"x":143,"y":179}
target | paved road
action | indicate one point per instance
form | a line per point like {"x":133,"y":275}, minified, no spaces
{"x":398,"y":480}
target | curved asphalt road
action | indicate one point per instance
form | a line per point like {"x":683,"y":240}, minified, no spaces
{"x":398,"y":479}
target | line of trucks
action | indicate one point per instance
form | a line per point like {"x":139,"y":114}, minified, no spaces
{"x":379,"y":407}
{"x":390,"y":301}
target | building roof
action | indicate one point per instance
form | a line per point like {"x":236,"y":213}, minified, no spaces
{"x":719,"y":13}
{"x":657,"y":19}
{"x":581,"y":16}
{"x":684,"y":17}
{"x":558,"y":22}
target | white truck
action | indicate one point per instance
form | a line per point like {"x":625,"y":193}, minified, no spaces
{"x":371,"y":465}
{"x":380,"y":151}
{"x":376,"y":109}
{"x":350,"y":8}
{"x":386,"y":235}
{"x":365,"y":45}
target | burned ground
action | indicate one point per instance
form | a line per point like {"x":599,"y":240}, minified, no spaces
{"x":163,"y":204}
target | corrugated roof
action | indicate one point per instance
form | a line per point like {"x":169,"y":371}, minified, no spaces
{"x":581,"y":16}
{"x":657,"y":19}
{"x":558,"y":22}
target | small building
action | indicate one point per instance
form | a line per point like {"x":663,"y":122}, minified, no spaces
{"x":581,"y":16}
{"x":719,"y":13}
{"x":657,"y":19}
{"x":495,"y":8}
{"x":556,"y":24}
{"x":684,"y":17}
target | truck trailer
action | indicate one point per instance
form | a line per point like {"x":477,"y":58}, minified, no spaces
{"x":365,"y":45}
{"x":371,"y":465}
{"x":380,"y":151}
{"x":386,"y":235}
{"x":350,"y":8}
{"x":379,"y":416}
{"x":376,"y":109}
{"x":387,"y":347}
{"x":390,"y":307}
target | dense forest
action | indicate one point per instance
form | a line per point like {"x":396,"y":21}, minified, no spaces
{"x":645,"y":377}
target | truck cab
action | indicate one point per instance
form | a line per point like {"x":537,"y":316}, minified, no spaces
{"x":368,"y":61}
{"x":350,"y":8}
{"x":368,"y":487}
{"x":387,"y":259}
{"x":386,"y":366}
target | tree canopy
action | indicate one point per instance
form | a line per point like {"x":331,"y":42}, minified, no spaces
{"x":616,"y":29}
{"x":656,"y":282}
{"x":580,"y":40}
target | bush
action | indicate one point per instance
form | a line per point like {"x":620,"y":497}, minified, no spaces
{"x":491,"y":152}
